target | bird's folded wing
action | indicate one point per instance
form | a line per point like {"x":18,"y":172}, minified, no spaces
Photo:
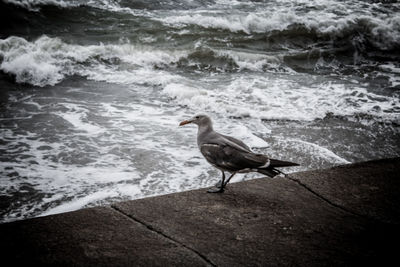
{"x":230,"y":158}
{"x":236,"y":141}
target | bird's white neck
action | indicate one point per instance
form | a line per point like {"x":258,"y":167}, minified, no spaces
{"x":204,"y":129}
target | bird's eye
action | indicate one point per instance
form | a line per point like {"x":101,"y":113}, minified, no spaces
{"x":197,"y":117}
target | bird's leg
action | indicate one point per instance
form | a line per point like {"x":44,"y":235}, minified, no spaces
{"x":218,"y":189}
{"x":219,"y":183}
{"x":230,"y":177}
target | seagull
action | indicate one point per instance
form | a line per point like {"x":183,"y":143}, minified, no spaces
{"x":229,"y":154}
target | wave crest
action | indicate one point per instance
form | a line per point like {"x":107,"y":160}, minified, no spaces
{"x":47,"y":61}
{"x":34,"y":5}
{"x":382,"y":32}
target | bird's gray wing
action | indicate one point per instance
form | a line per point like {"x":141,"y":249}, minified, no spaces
{"x":213,"y":137}
{"x":230,"y":158}
{"x":236,"y":141}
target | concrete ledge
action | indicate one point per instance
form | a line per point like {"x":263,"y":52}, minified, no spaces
{"x":370,"y":189}
{"x":347,"y":215}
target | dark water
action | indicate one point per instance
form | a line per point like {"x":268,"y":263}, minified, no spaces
{"x":92,"y":92}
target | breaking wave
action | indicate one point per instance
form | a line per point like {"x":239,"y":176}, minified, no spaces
{"x":47,"y":61}
{"x":362,"y":32}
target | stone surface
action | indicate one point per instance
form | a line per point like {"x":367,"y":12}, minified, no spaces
{"x":89,"y":237}
{"x":369,"y":189}
{"x":344,"y":216}
{"x":273,"y":222}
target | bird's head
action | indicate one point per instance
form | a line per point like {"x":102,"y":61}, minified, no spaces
{"x":200,"y":120}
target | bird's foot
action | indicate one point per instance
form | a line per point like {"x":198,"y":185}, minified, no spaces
{"x":215,"y":190}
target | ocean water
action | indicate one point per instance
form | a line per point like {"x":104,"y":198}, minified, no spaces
{"x":91,"y":92}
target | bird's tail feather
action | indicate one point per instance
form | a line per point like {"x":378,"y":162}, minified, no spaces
{"x":280,"y":163}
{"x":274,"y":163}
{"x":269,"y":172}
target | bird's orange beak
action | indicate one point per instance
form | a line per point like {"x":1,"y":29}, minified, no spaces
{"x":184,"y":122}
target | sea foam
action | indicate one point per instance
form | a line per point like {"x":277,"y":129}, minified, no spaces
{"x":281,"y":99}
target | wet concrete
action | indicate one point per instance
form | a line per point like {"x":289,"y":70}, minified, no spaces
{"x":343,"y":216}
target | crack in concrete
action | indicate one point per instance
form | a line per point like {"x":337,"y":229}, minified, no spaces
{"x":324,"y":198}
{"x":151,"y":228}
